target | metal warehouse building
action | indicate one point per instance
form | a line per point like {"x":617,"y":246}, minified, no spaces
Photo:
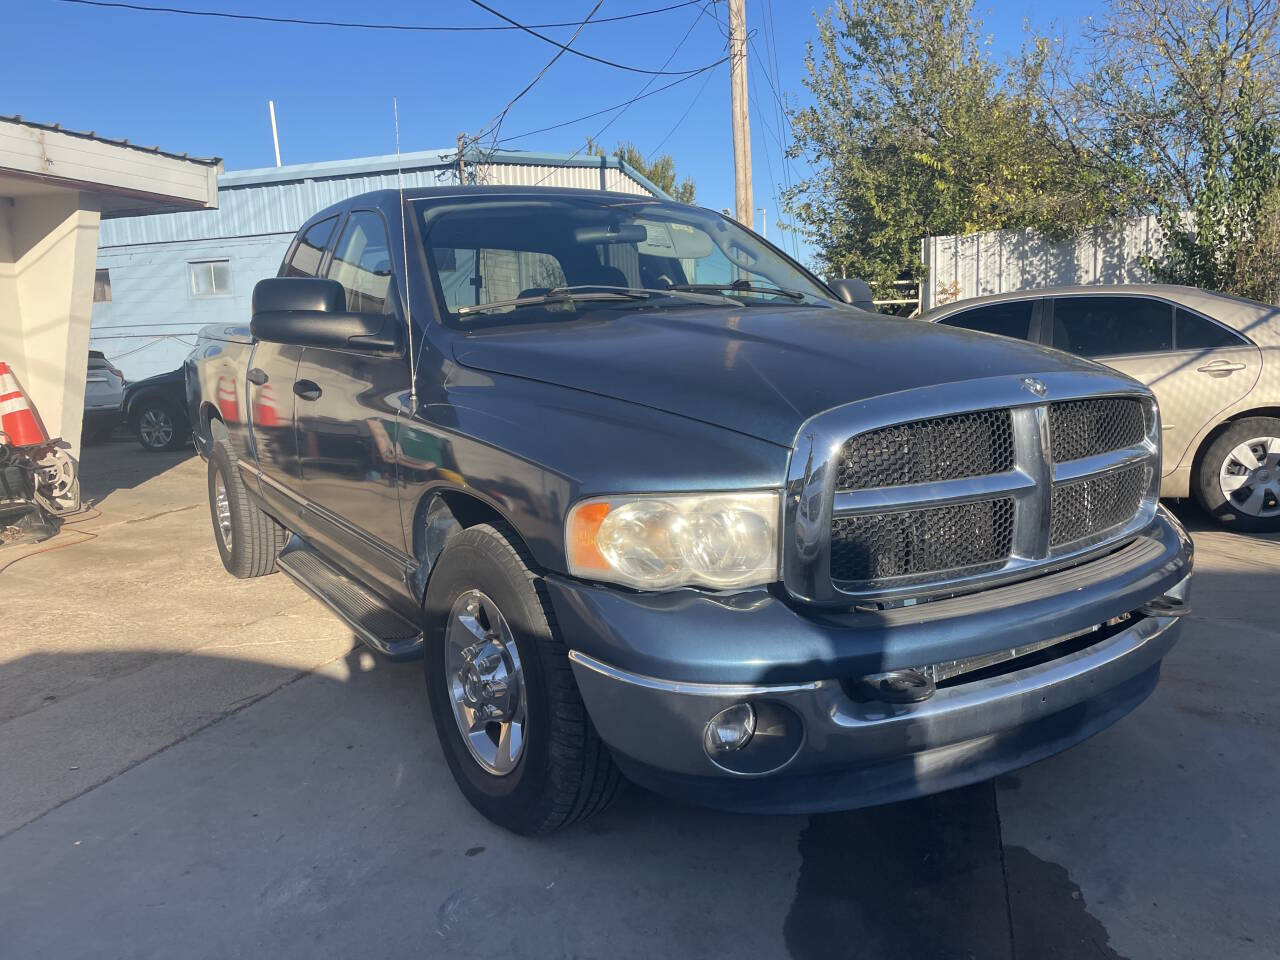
{"x":162,"y":276}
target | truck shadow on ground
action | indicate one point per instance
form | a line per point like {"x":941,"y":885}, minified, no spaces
{"x":322,"y":818}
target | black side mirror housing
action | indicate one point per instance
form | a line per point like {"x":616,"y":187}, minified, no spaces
{"x":856,"y":293}
{"x":312,"y":312}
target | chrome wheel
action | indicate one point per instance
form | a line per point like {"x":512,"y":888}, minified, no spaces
{"x":485,"y":682}
{"x":155,"y":427}
{"x":1250,"y":477}
{"x":222,"y":510}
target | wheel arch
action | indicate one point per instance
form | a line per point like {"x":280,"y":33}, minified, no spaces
{"x":1218,"y":429}
{"x":441,"y":515}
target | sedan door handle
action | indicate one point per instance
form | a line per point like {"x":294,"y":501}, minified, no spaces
{"x":307,"y":389}
{"x":256,"y":376}
{"x":1220,"y":366}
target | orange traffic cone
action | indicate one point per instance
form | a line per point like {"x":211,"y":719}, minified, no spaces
{"x":18,"y":418}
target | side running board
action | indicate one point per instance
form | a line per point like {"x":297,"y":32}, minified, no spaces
{"x":364,"y":612}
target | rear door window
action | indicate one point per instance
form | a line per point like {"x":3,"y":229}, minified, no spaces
{"x":362,"y":262}
{"x":1006,"y":319}
{"x":1194,"y":332}
{"x":306,"y":256}
{"x":1112,"y":326}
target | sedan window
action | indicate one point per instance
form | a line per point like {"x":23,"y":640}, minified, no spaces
{"x":1006,"y":319}
{"x":1112,"y":326}
{"x":1196,"y":333}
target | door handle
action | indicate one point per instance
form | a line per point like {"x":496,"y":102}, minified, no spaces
{"x":1220,"y":366}
{"x":307,"y":389}
{"x":256,"y":376}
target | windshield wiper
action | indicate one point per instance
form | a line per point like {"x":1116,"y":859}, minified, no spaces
{"x":582,"y":292}
{"x":738,"y":286}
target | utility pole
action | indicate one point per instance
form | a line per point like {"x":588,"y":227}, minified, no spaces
{"x":745,"y":208}
{"x":462,"y":167}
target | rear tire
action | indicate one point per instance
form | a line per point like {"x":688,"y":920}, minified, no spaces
{"x":248,"y":539}
{"x":1238,"y":479}
{"x":564,"y":772}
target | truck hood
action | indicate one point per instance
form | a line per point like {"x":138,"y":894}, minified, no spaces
{"x":761,"y":371}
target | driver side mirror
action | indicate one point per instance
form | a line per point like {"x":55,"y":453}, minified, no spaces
{"x":856,"y":293}
{"x":312,"y":312}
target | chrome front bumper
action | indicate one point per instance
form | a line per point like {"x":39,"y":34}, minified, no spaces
{"x":854,"y":753}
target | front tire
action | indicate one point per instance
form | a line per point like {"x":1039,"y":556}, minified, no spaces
{"x":507,"y":710}
{"x":248,"y":539}
{"x":1238,"y":478}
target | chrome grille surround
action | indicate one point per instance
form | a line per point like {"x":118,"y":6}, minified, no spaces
{"x":814,"y":502}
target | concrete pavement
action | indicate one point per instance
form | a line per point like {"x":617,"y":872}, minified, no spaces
{"x":196,"y":766}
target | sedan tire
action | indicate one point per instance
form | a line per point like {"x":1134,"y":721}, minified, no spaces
{"x":1238,"y":478}
{"x":507,"y":710}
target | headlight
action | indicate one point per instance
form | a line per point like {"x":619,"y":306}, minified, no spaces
{"x":653,"y":542}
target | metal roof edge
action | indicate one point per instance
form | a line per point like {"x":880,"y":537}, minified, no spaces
{"x":426,"y":159}
{"x":109,"y":141}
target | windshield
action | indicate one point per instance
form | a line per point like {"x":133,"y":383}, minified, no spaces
{"x":513,"y":259}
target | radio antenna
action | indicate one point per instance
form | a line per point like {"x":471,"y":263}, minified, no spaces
{"x":404,"y":250}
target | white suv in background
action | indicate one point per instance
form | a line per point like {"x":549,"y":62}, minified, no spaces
{"x":103,"y":394}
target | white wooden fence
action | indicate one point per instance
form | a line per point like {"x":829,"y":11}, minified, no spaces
{"x":977,"y":264}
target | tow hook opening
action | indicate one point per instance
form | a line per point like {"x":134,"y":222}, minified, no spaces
{"x":1175,"y":602}
{"x":896,"y":686}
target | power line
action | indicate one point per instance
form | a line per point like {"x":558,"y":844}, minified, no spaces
{"x":641,"y":91}
{"x":357,"y":25}
{"x":578,"y":53}
{"x":771,"y":44}
{"x":768,"y":164}
{"x":696,"y":97}
{"x":616,"y":106}
{"x":496,"y":126}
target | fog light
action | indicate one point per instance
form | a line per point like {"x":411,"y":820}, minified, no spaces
{"x":730,"y":729}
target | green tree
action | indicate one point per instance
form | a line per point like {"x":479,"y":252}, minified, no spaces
{"x":915,"y":130}
{"x":1186,"y":93}
{"x":661,"y":170}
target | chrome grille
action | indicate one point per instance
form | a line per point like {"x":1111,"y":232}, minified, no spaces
{"x":1085,"y":508}
{"x":965,"y":539}
{"x":941,"y":448}
{"x":1086,"y":428}
{"x":955,"y":498}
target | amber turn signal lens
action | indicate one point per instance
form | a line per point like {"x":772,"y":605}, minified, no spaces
{"x":584,"y":524}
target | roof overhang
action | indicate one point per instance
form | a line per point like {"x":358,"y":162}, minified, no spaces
{"x":126,"y":179}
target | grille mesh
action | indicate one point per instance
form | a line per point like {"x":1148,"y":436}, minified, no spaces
{"x":1086,"y":428}
{"x":1087,"y":507}
{"x":963,"y":539}
{"x":942,"y":448}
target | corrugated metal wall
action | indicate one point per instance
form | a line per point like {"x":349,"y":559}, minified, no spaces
{"x":150,"y":323}
{"x":960,"y":267}
{"x":256,"y":209}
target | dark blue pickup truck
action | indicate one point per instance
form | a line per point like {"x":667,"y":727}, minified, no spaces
{"x":653,"y":501}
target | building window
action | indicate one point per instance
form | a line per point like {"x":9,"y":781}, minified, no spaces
{"x":209,"y":278}
{"x":102,"y":286}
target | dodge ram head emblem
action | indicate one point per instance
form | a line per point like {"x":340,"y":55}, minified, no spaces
{"x":1035,"y":386}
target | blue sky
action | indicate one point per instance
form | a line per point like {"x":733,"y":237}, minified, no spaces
{"x":201,"y":85}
